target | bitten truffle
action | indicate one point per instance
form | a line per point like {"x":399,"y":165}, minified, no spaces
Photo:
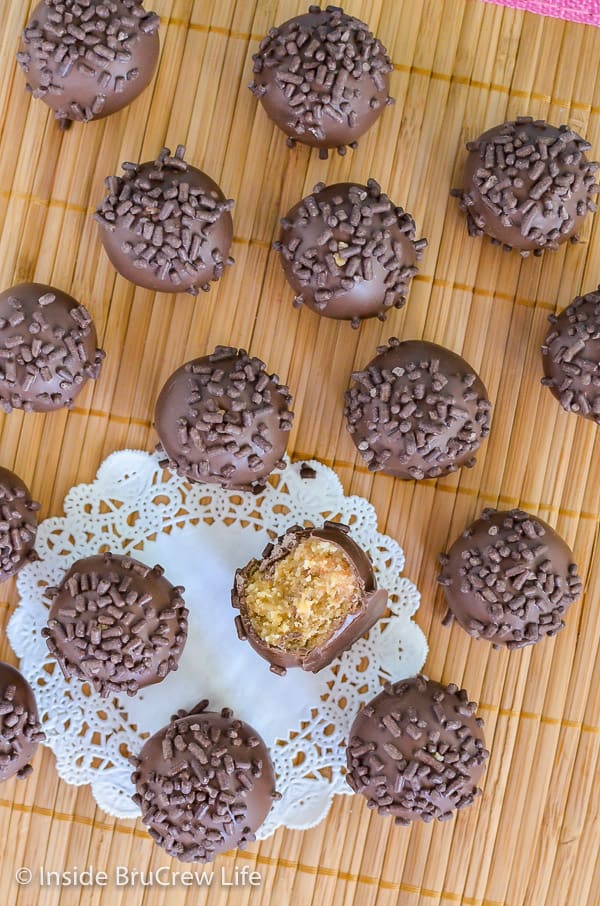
{"x":348,"y":252}
{"x":20,"y":730}
{"x":88,"y":59}
{"x":18,"y":525}
{"x":571,"y":356}
{"x":416,"y":751}
{"x":323,"y":78}
{"x":47,"y":348}
{"x":205,"y":784}
{"x":223,"y":418}
{"x":528,"y":185}
{"x":166,"y":226}
{"x":509,"y":579}
{"x":310,"y":596}
{"x":116,"y":623}
{"x":417,"y":411}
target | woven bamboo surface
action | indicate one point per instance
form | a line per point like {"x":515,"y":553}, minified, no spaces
{"x":460,"y":66}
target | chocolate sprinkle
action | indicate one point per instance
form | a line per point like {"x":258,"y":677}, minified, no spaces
{"x":20,"y":730}
{"x":509,"y":579}
{"x":417,"y":411}
{"x":529,"y":185}
{"x":323,"y":78}
{"x":18,"y":524}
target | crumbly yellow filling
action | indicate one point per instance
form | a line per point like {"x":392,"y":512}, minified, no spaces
{"x":297,"y":602}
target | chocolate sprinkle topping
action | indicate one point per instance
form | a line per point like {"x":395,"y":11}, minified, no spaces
{"x":509,"y":579}
{"x":529,"y":185}
{"x":323,"y":78}
{"x":166,"y":225}
{"x":348,"y":252}
{"x":416,"y":751}
{"x":571,"y":356}
{"x":18,"y":524}
{"x":20,"y":730}
{"x":417,"y":411}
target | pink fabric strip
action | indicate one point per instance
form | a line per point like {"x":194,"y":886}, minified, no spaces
{"x":587,"y":11}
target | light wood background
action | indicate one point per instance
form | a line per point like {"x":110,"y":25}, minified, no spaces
{"x":460,"y":66}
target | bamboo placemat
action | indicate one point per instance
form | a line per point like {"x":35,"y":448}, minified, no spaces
{"x":460,"y":66}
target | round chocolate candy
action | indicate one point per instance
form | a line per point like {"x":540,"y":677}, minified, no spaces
{"x":47,"y":348}
{"x":528,"y":185}
{"x":222,"y":418}
{"x":88,"y":59}
{"x":571,"y":356}
{"x":116,"y":623}
{"x":509,"y":579}
{"x":165,"y":225}
{"x":310,"y":596}
{"x":205,"y":784}
{"x":417,"y":411}
{"x":323,"y":78}
{"x":416,"y":751}
{"x":348,"y":252}
{"x":18,"y":524}
{"x":20,"y":730}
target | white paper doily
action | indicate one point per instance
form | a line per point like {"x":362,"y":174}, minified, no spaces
{"x":200,"y":534}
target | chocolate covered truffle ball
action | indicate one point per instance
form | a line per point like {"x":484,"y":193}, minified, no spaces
{"x":88,"y":59}
{"x":47,"y":348}
{"x":348,"y":252}
{"x":323,"y":78}
{"x":223,"y":418}
{"x":528,"y":185}
{"x":571,"y":356}
{"x":116,"y":623}
{"x":417,"y":410}
{"x":310,"y":596}
{"x":20,"y":730}
{"x":166,"y":226}
{"x":509,"y":579}
{"x":18,"y":524}
{"x":205,"y":784}
{"x":416,"y":751}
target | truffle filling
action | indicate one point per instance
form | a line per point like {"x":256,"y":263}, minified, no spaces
{"x":297,"y":602}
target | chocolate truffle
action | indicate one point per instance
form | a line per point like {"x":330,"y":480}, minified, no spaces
{"x":165,"y":225}
{"x":348,"y":252}
{"x":509,"y":579}
{"x":571,"y":356}
{"x":416,"y":751}
{"x":47,"y":348}
{"x":528,"y":185}
{"x":18,"y":525}
{"x":323,"y":78}
{"x":205,"y":784}
{"x":418,"y":411}
{"x":116,"y":623}
{"x":20,"y":730}
{"x":88,"y":59}
{"x":310,"y":596}
{"x":223,"y":418}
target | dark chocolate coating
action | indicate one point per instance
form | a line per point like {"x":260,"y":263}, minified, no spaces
{"x":18,"y":524}
{"x":417,"y":411}
{"x":205,"y":783}
{"x":20,"y":730}
{"x":343,"y":635}
{"x":417,"y":751}
{"x":509,"y":579}
{"x":88,"y":59}
{"x":528,"y":185}
{"x":116,"y":623}
{"x":222,"y":418}
{"x":323,"y":78}
{"x":348,"y":252}
{"x":47,"y":348}
{"x":571,"y":356}
{"x":165,"y":225}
